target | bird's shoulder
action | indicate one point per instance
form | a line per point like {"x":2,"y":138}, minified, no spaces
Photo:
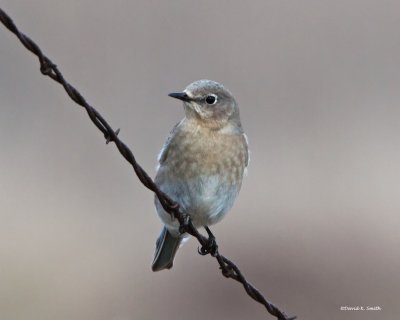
{"x":162,"y":156}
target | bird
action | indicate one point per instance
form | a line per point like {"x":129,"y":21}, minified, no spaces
{"x":201,"y":165}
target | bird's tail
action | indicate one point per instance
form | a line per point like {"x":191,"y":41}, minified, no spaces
{"x":166,"y":248}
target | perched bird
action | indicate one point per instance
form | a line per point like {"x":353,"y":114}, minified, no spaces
{"x":202,"y":163}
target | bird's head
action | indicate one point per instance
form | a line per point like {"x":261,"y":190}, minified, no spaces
{"x":210,"y":103}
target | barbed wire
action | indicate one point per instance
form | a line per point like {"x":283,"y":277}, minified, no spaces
{"x":208,"y":244}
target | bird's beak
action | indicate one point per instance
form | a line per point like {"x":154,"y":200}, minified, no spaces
{"x":181,"y":96}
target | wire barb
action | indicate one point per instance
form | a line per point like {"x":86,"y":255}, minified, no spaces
{"x":208,"y":245}
{"x":109,"y":138}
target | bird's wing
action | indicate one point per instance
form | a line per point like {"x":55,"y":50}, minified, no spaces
{"x":164,"y":150}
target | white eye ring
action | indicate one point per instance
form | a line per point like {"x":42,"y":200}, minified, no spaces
{"x":211,"y":99}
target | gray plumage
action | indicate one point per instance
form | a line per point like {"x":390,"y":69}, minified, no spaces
{"x":201,"y":165}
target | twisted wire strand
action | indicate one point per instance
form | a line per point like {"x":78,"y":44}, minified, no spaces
{"x":208,"y":244}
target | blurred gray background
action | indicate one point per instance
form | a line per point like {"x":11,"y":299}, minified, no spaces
{"x":316,"y":225}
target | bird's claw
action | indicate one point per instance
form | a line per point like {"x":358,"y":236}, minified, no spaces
{"x":185,"y":224}
{"x":210,"y":247}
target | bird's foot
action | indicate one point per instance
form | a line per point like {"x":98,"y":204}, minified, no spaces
{"x":210,"y":247}
{"x":185,"y":224}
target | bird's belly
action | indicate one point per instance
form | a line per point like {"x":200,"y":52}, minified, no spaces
{"x":203,"y":175}
{"x":206,"y":198}
{"x":209,"y":198}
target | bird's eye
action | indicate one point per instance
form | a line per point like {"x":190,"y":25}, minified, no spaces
{"x":211,"y":99}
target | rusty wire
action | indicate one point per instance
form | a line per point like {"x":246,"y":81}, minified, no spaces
{"x":208,"y":244}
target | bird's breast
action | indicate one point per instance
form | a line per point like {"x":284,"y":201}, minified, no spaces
{"x":204,"y":172}
{"x":200,"y":154}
